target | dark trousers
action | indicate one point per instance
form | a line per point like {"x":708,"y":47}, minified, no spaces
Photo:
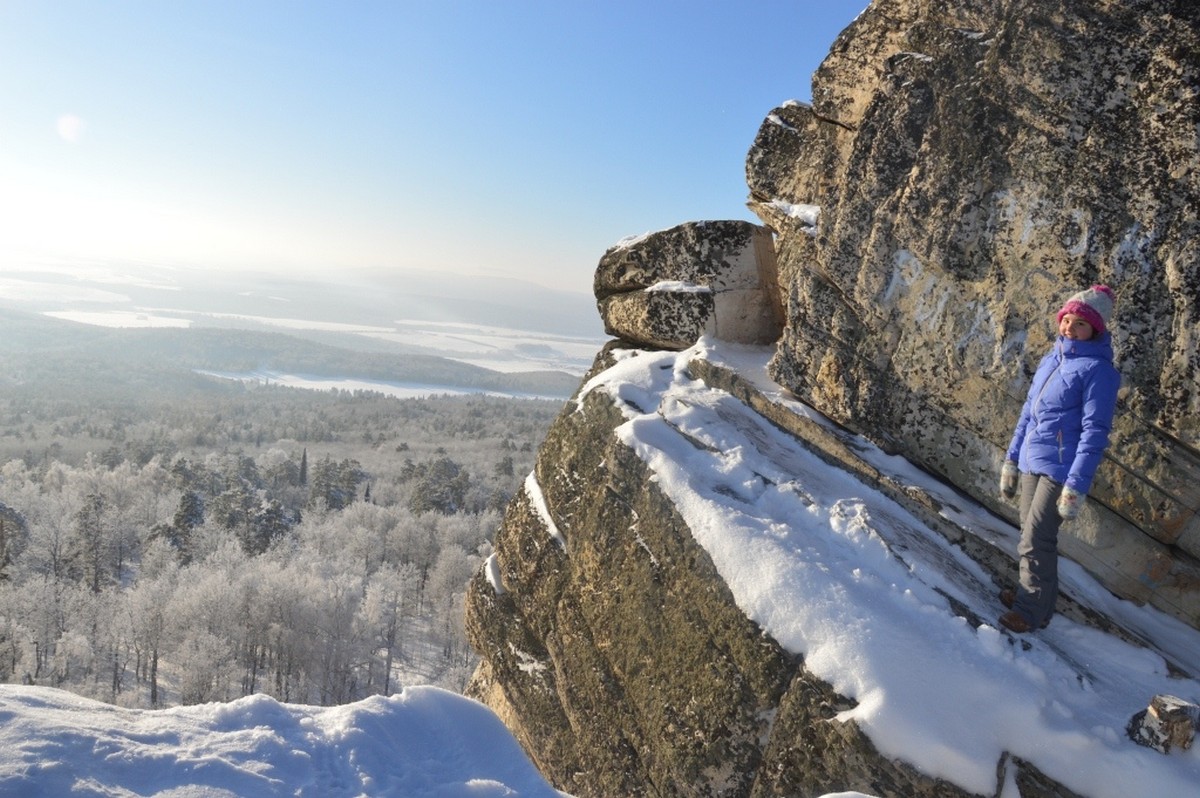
{"x":1038,"y":549}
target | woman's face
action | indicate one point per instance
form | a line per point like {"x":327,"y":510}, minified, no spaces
{"x":1075,"y":327}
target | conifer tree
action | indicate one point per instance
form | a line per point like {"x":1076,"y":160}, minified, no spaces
{"x":188,"y":517}
{"x":442,"y":487}
{"x":86,"y":547}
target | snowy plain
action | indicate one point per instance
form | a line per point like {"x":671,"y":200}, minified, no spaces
{"x":830,"y":567}
{"x":398,"y":390}
{"x":496,"y":348}
{"x":502,"y":325}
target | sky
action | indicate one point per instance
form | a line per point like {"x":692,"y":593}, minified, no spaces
{"x":517,"y":138}
{"x":829,"y":567}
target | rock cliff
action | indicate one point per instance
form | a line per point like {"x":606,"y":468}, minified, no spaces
{"x":963,"y":168}
{"x":974,"y":164}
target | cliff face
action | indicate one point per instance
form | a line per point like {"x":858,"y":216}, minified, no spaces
{"x":965,"y":166}
{"x":617,"y":653}
{"x":591,"y":647}
{"x":707,"y":589}
{"x":975,"y":163}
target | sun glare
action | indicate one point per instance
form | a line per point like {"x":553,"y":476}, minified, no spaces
{"x":70,"y":128}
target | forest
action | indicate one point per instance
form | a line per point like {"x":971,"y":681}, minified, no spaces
{"x":199,"y":540}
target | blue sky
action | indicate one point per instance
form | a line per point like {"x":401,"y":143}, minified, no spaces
{"x":468,"y":137}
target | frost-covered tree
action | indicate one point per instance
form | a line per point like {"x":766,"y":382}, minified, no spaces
{"x":233,"y":507}
{"x":148,"y":621}
{"x":188,"y":516}
{"x":13,"y":533}
{"x":203,"y":659}
{"x":268,"y":524}
{"x":390,"y":598}
{"x":447,"y":588}
{"x":341,"y":651}
{"x":204,"y":581}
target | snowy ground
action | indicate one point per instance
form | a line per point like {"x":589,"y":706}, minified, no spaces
{"x":422,"y":743}
{"x":830,"y":567}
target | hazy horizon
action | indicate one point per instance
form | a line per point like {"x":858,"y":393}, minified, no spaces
{"x":502,"y":324}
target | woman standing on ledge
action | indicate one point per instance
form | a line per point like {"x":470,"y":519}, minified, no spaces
{"x":1059,"y":440}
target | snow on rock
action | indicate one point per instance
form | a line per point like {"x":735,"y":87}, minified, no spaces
{"x":534,"y":491}
{"x":837,"y":572}
{"x":1169,"y":722}
{"x":806,"y":214}
{"x":491,"y":569}
{"x":680,"y":286}
{"x":774,"y":119}
{"x":631,"y":241}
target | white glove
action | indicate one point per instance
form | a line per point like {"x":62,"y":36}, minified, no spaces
{"x":1009,"y":474}
{"x":1070,"y":502}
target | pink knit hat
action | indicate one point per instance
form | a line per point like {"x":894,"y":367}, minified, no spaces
{"x":1095,"y":305}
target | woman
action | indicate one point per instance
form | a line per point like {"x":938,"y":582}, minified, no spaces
{"x":1059,"y":440}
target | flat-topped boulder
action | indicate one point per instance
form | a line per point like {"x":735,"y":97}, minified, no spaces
{"x":666,"y":289}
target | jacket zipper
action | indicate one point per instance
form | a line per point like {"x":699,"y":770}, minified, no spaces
{"x":1037,"y":402}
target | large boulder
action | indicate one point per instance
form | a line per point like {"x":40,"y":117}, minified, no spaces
{"x":622,"y":661}
{"x":619,"y":659}
{"x":666,"y":289}
{"x":974,"y":163}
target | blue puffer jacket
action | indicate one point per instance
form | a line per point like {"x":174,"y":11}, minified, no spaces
{"x":1064,"y":425}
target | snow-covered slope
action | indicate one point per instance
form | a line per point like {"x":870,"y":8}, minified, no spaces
{"x":878,"y":604}
{"x":424,"y":742}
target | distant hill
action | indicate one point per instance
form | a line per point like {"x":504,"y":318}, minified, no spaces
{"x":39,"y":351}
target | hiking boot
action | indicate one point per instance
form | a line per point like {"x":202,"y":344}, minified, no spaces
{"x":1015,"y":622}
{"x":1008,"y":598}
